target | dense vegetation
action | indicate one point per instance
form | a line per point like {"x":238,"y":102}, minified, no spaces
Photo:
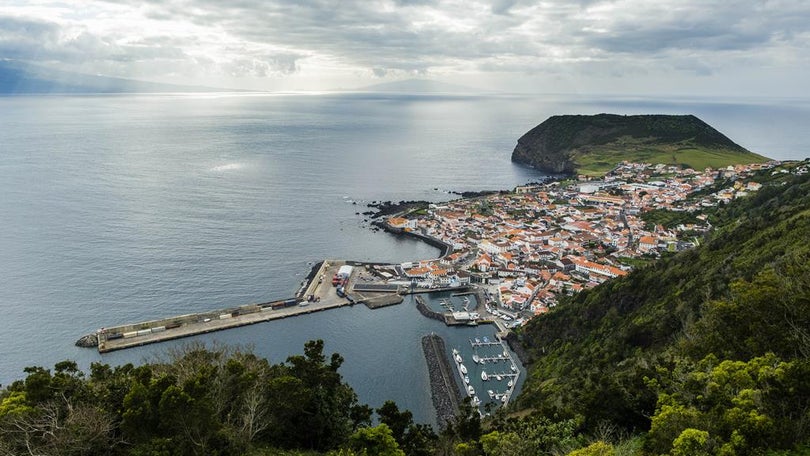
{"x":595,"y":144}
{"x":198,"y":402}
{"x":705,"y":351}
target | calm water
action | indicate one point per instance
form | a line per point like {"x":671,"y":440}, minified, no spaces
{"x":116,"y":209}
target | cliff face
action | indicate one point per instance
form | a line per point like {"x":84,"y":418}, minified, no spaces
{"x":556,"y":144}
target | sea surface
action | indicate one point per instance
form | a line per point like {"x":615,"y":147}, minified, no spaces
{"x":122,"y":208}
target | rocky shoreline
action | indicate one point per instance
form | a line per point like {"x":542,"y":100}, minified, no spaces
{"x":443,"y":388}
{"x":385,"y":208}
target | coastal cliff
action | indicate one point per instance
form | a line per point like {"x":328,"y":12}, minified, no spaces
{"x":595,"y":144}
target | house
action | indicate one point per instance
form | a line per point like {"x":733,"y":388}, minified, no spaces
{"x":647,"y":243}
{"x":483,"y":263}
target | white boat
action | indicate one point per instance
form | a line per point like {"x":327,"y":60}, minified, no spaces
{"x":462,"y":368}
{"x":476,"y":401}
{"x":455,"y":351}
{"x":505,"y":353}
{"x":484,"y":376}
{"x":477,"y":340}
{"x":486,"y":339}
{"x":491,"y":393}
{"x":470,"y":390}
{"x":466,"y":379}
{"x":458,"y":358}
{"x":514,"y":368}
{"x":498,"y":377}
{"x":504,"y":398}
{"x":476,"y":359}
{"x":509,"y":384}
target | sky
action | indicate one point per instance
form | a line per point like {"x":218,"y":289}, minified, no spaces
{"x":687,"y":47}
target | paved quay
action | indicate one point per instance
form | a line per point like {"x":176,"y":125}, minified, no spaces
{"x":316,"y":296}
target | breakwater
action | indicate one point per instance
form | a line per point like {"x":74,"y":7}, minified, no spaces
{"x":443,"y":388}
{"x":422,"y":307}
{"x":316,"y":294}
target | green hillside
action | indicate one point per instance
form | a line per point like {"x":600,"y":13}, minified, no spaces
{"x":595,"y":144}
{"x":714,"y":340}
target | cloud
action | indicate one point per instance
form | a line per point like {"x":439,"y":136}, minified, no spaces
{"x":385,"y":38}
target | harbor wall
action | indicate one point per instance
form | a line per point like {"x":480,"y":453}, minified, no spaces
{"x":443,"y":387}
{"x":422,"y":307}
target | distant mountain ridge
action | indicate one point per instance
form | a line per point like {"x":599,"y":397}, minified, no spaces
{"x":20,"y":78}
{"x":594,"y":144}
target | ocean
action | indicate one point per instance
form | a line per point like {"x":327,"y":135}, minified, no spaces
{"x":122,"y":208}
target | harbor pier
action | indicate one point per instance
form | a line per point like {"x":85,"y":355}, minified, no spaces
{"x":316,"y":294}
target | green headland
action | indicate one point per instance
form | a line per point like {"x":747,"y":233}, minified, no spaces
{"x":593,"y":145}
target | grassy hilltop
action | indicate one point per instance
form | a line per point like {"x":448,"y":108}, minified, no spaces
{"x":595,"y":144}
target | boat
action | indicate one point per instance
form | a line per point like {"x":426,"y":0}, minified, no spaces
{"x":455,"y":351}
{"x":484,"y":376}
{"x":476,"y":401}
{"x":458,"y":358}
{"x":504,"y":398}
{"x":514,"y":368}
{"x":476,"y":359}
{"x":491,"y":393}
{"x":505,"y":353}
{"x":509,"y":384}
{"x":462,"y":368}
{"x":498,"y":377}
{"x":486,"y":339}
{"x":466,"y":379}
{"x":470,"y":390}
{"x":477,"y":340}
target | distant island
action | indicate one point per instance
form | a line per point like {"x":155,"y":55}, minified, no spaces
{"x":594,"y":144}
{"x":21,"y":78}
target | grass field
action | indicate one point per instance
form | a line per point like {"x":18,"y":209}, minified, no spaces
{"x":598,"y":162}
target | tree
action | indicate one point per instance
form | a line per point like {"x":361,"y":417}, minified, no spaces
{"x":377,"y":441}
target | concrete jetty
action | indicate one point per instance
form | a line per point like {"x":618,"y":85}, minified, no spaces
{"x":315,"y":295}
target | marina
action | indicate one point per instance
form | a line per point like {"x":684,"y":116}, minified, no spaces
{"x":499,"y":384}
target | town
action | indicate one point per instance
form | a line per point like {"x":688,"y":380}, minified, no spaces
{"x":529,"y":247}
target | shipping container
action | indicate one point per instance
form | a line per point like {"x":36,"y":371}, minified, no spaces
{"x":172,"y":325}
{"x":157,"y":329}
{"x":113,"y":336}
{"x":224,"y":316}
{"x":144,"y":332}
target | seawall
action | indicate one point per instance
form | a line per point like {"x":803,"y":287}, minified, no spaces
{"x":445,"y":248}
{"x":443,"y":388}
{"x":424,"y":310}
